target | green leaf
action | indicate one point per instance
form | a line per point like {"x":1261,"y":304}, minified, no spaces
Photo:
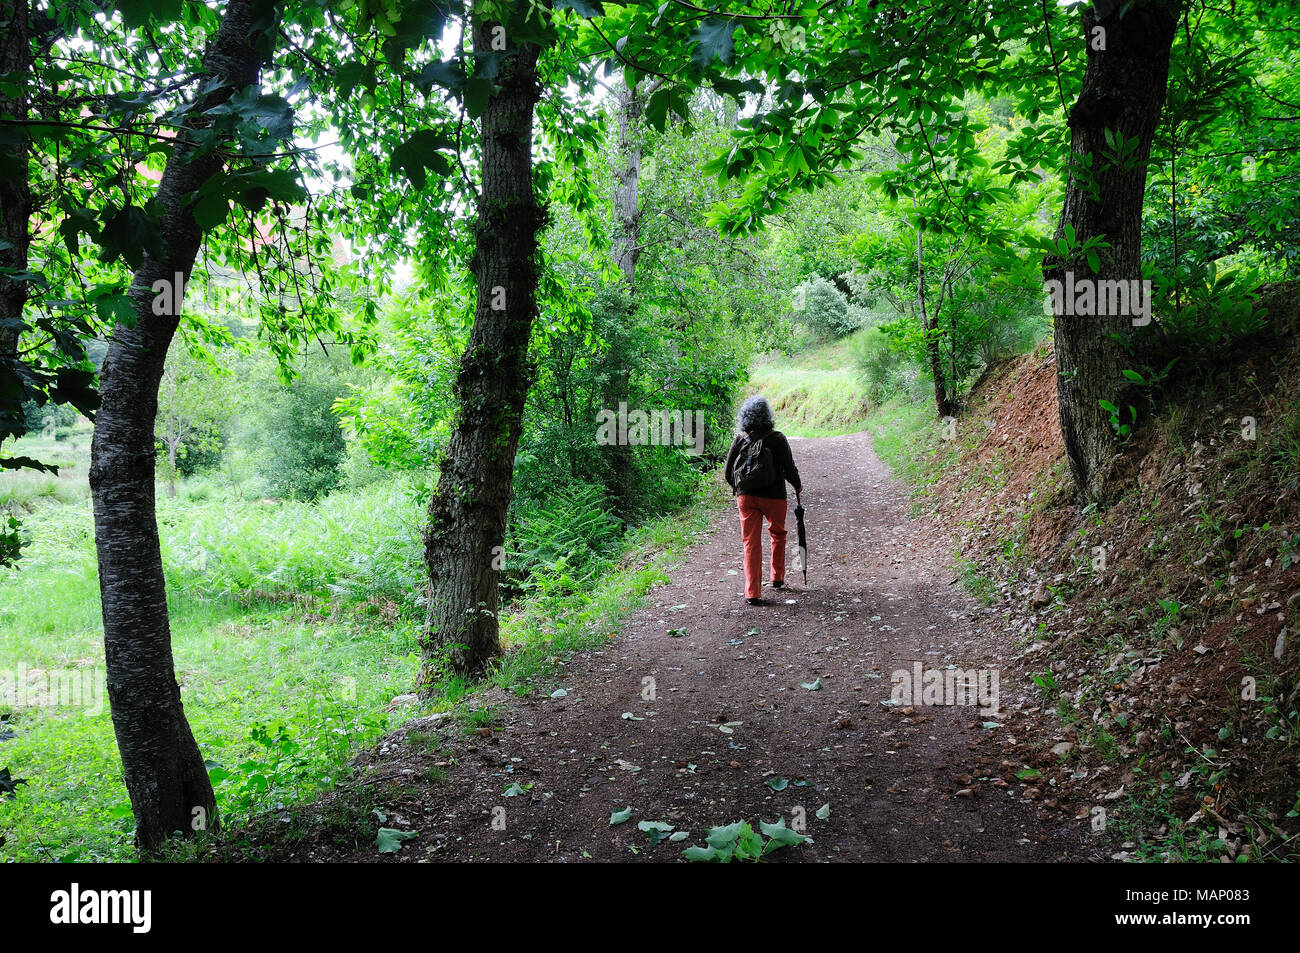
{"x":356,"y":73}
{"x":749,"y":845}
{"x":115,"y":309}
{"x":727,"y":835}
{"x":713,"y":38}
{"x":583,"y":8}
{"x":708,"y":855}
{"x":777,"y":784}
{"x":781,"y":836}
{"x":75,"y":222}
{"x":814,"y":686}
{"x":478,"y":90}
{"x":389,"y":840}
{"x":824,"y":811}
{"x":254,"y":188}
{"x":420,"y":152}
{"x":30,"y":463}
{"x":656,"y":109}
{"x":620,"y":817}
{"x":656,"y":831}
{"x":210,"y":211}
{"x":138,"y":13}
{"x":446,"y":73}
{"x":129,"y":234}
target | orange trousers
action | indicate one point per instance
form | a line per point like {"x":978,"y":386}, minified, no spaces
{"x":752,"y":510}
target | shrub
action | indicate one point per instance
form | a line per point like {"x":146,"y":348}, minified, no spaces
{"x":823,"y":310}
{"x":302,"y":443}
{"x":198,"y":452}
{"x":884,"y":370}
{"x":1214,"y":311}
{"x":38,"y":418}
{"x":559,"y":542}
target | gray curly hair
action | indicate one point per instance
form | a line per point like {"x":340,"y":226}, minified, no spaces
{"x":755,"y":414}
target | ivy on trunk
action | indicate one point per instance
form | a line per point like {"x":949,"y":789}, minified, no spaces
{"x":1112,"y":125}
{"x":467,"y":513}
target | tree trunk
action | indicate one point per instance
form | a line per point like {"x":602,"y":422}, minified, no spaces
{"x":173,"y":435}
{"x":164,"y":771}
{"x":15,"y":188}
{"x":467,"y":513}
{"x":627,"y":210}
{"x":941,"y":402}
{"x":171,"y":470}
{"x":1123,"y":91}
{"x":626,"y":252}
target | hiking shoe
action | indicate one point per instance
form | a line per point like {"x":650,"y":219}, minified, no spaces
{"x":778,"y":583}
{"x":757,"y":602}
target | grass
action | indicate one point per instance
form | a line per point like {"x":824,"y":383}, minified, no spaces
{"x":980,"y":586}
{"x":814,"y":393}
{"x":901,"y":432}
{"x":293,"y":625}
{"x":24,"y":491}
{"x":255,"y":680}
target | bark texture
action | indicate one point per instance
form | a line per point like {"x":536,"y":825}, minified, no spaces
{"x":626,"y":251}
{"x":164,"y":771}
{"x":467,"y":513}
{"x":1123,"y":91}
{"x":15,"y":187}
{"x":627,"y":210}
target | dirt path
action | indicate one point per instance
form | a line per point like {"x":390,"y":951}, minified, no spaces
{"x":878,"y":600}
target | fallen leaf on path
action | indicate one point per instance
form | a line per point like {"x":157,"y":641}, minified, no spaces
{"x":656,"y":831}
{"x":620,"y":817}
{"x":389,"y":840}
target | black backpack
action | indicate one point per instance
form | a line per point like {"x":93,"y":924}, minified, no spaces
{"x":755,"y":466}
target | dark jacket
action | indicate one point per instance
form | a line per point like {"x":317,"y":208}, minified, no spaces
{"x":781,"y":456}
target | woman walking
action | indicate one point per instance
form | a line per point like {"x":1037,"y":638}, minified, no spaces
{"x":758,"y":467}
